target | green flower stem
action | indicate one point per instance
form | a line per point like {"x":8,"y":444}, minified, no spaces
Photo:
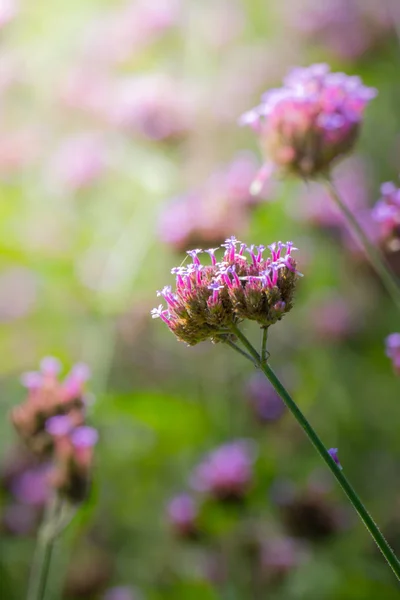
{"x":240,"y":351}
{"x":319,"y":446}
{"x":374,"y":254}
{"x":264,"y":344}
{"x":43,"y":552}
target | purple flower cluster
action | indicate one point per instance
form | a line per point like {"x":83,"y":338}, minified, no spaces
{"x":312,"y":120}
{"x":393,"y":350}
{"x":386,"y":211}
{"x":227,"y":472}
{"x":209,"y":299}
{"x":51,"y":422}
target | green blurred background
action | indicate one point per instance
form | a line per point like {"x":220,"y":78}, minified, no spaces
{"x":107,"y":111}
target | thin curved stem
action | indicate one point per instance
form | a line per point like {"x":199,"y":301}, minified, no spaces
{"x":43,"y":553}
{"x":264,"y":344}
{"x":240,"y":351}
{"x":374,"y":254}
{"x":319,"y":446}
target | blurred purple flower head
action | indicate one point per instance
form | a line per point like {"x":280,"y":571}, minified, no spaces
{"x":209,"y":299}
{"x":153,"y":106}
{"x":227,"y":472}
{"x":182,"y":514}
{"x":32,"y":485}
{"x":316,"y":206}
{"x":222,"y":206}
{"x":121,"y":33}
{"x":392,"y":343}
{"x":386,"y":213}
{"x":332,"y":318}
{"x":120,"y":593}
{"x":280,"y":555}
{"x":78,"y":162}
{"x":347,"y":28}
{"x":263,"y":399}
{"x":308,"y":513}
{"x":311,"y":121}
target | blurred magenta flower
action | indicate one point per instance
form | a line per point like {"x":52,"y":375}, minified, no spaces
{"x":309,"y":122}
{"x":222,"y":206}
{"x":119,"y":34}
{"x":316,"y":206}
{"x":32,"y":485}
{"x":227,"y":472}
{"x":333,"y":318}
{"x":182,"y":514}
{"x":51,"y":422}
{"x":121,"y":593}
{"x":392,"y":343}
{"x":280,"y":555}
{"x":346,"y":28}
{"x":309,"y":512}
{"x":153,"y":106}
{"x":266,"y":404}
{"x":386,"y":213}
{"x":209,"y":299}
{"x":78,"y":162}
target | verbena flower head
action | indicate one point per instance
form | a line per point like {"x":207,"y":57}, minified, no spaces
{"x":393,"y":350}
{"x":209,"y":298}
{"x":49,"y":397}
{"x":183,"y":514}
{"x":386,"y":212}
{"x":227,"y":472}
{"x":51,"y":422}
{"x":309,"y":122}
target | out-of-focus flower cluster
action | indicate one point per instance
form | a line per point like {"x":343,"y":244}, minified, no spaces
{"x":393,"y":350}
{"x":209,"y":299}
{"x":311,"y":121}
{"x":51,"y":423}
{"x":386,"y":213}
{"x":208,"y":215}
{"x":348,"y":29}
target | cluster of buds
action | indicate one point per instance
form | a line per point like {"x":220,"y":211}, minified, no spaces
{"x":209,"y":299}
{"x":51,"y":422}
{"x":386,"y":213}
{"x":393,"y":350}
{"x":227,"y":472}
{"x":312,"y":120}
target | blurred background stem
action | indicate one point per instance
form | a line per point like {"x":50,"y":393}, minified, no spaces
{"x":319,"y":446}
{"x":373,"y":252}
{"x":43,"y":552}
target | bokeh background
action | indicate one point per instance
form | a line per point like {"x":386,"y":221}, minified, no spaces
{"x":119,"y":151}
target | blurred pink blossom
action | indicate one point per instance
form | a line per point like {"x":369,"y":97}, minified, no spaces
{"x":154,"y":106}
{"x":117,"y":35}
{"x":78,"y":162}
{"x":347,"y":28}
{"x":8,"y":11}
{"x":221,"y":206}
{"x":316,"y":205}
